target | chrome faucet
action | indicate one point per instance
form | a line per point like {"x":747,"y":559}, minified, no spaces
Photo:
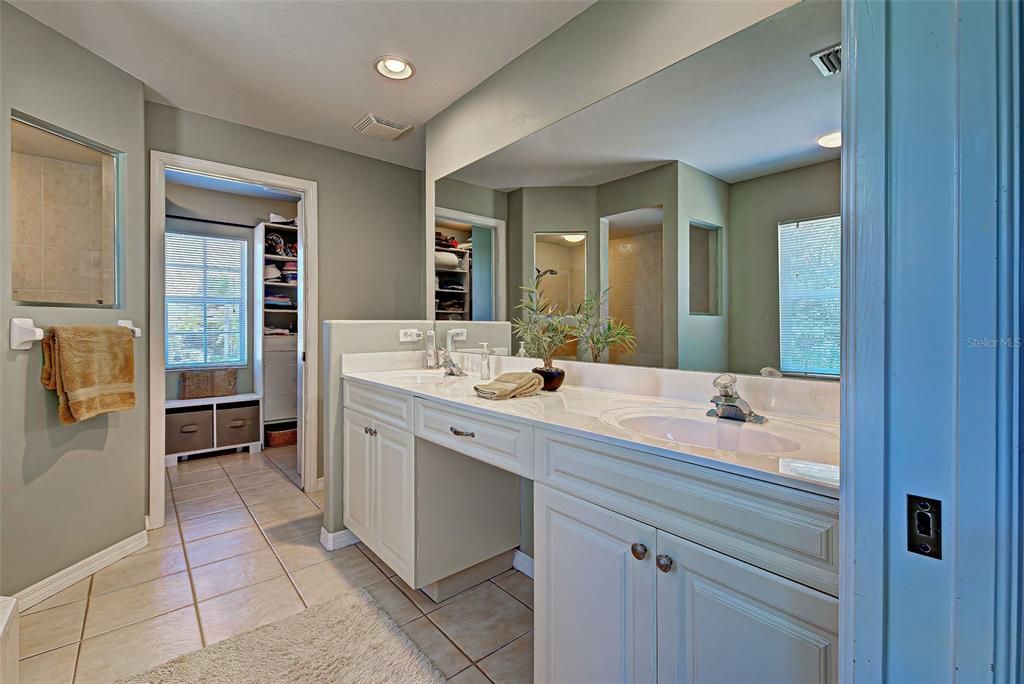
{"x":451,"y":367}
{"x":729,"y":404}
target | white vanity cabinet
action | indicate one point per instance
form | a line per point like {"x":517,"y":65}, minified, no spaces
{"x":379,"y":498}
{"x":619,"y":600}
{"x":595,"y":597}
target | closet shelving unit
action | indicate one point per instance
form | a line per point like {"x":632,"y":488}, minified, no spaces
{"x":461,"y":275}
{"x":279,"y":355}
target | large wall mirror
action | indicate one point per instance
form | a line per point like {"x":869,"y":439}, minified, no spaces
{"x":64,"y":215}
{"x":704,"y":200}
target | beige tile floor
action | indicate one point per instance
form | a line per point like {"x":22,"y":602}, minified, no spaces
{"x":241,"y":549}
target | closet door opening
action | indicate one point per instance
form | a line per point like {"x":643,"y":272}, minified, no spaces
{"x":232,"y":303}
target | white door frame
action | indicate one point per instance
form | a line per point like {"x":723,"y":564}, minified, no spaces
{"x":159,"y":163}
{"x":500,"y":301}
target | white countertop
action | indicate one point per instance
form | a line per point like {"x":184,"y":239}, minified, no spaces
{"x":811,"y":465}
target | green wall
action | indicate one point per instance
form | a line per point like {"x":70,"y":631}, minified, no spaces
{"x":472,"y":199}
{"x":755,"y":208}
{"x":69,"y":491}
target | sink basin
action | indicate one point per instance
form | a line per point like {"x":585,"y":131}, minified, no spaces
{"x":429,"y":379}
{"x":709,"y":433}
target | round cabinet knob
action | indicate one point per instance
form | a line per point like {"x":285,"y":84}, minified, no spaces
{"x":663,"y":562}
{"x":639,"y":551}
{"x":366,"y":430}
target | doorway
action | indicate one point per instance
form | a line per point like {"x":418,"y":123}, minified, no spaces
{"x":468,"y":267}
{"x":631,"y":272}
{"x":233,"y":269}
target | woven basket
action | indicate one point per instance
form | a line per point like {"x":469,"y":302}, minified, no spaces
{"x":279,"y":437}
{"x":200,"y":384}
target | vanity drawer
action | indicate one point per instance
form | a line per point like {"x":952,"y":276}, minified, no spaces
{"x":501,"y":443}
{"x":786,"y":531}
{"x":393,"y":408}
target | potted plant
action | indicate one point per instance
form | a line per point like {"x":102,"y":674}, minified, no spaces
{"x":542,"y":331}
{"x":597,"y":332}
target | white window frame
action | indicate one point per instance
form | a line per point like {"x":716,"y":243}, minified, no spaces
{"x":242,"y":300}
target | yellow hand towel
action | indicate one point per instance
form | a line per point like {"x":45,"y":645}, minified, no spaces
{"x":510,"y":386}
{"x":91,"y":368}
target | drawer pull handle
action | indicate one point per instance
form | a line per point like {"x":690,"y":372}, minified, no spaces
{"x":461,"y":433}
{"x":663,"y":562}
{"x":639,"y":551}
{"x":237,"y":423}
{"x":192,"y":427}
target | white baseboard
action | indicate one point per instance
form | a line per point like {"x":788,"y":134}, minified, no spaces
{"x":44,"y":589}
{"x":332,"y":541}
{"x":523,"y":563}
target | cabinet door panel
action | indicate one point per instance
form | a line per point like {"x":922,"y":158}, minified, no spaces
{"x":595,"y":619}
{"x":394,"y":513}
{"x":723,"y":621}
{"x":357,"y":474}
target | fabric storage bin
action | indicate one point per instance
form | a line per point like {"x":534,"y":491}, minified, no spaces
{"x":238,"y":424}
{"x":188,"y":430}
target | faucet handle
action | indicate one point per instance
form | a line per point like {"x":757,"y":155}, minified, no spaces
{"x":725,"y":384}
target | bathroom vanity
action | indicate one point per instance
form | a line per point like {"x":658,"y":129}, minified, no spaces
{"x":669,"y":545}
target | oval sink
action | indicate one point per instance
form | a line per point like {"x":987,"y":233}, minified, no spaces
{"x":709,"y":433}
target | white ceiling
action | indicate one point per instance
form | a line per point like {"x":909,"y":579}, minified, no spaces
{"x":635,"y":222}
{"x":750,"y":105}
{"x":304,"y":68}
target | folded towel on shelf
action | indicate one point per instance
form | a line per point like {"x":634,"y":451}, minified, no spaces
{"x":446,"y":259}
{"x":91,"y":368}
{"x":510,"y":386}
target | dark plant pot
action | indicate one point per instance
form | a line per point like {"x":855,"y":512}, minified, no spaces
{"x":553,"y":377}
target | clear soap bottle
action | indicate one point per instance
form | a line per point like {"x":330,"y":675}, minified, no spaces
{"x":485,"y":362}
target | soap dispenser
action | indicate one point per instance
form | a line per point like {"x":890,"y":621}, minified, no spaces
{"x":430,"y":351}
{"x":522,"y":350}
{"x":485,"y":362}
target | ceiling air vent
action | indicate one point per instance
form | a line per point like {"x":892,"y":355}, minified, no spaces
{"x":381,"y":128}
{"x":829,"y":61}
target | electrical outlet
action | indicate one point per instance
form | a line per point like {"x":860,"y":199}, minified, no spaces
{"x":458,"y":334}
{"x":409,"y":335}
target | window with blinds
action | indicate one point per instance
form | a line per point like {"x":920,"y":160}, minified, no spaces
{"x":205,"y":296}
{"x":809,"y":278}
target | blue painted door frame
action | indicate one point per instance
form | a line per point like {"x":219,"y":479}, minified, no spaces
{"x":931,"y":361}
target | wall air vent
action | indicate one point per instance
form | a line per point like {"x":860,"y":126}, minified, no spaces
{"x":381,"y":127}
{"x":829,"y":61}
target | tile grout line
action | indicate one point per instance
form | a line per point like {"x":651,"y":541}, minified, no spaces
{"x":78,"y":653}
{"x":287,"y":573}
{"x":188,"y":567}
{"x":530,"y":608}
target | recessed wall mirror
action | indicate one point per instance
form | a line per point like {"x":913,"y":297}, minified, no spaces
{"x":705,"y":202}
{"x":64,"y":215}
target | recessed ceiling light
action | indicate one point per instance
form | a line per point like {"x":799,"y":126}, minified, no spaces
{"x":397,"y":68}
{"x":574,"y":238}
{"x":833,"y":139}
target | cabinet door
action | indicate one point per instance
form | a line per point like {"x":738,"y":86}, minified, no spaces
{"x":357,"y":475}
{"x":394,"y":492}
{"x":595,"y":617}
{"x":722,"y":620}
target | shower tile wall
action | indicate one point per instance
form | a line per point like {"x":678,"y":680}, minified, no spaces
{"x":634,"y":276}
{"x":565,"y":289}
{"x":63,"y":238}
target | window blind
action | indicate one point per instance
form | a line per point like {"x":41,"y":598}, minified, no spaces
{"x":809,"y":306}
{"x":205,"y":295}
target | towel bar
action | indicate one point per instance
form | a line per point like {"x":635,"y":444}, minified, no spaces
{"x":24,"y":332}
